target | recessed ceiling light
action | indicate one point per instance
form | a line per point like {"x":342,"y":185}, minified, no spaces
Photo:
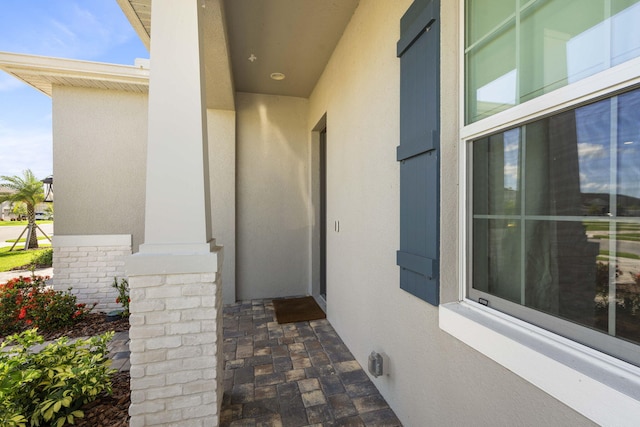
{"x":277,"y":76}
{"x":628,"y":142}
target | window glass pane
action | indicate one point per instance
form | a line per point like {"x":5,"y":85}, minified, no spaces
{"x":558,"y":41}
{"x":628,"y":132}
{"x":497,"y":173}
{"x":496,"y":261}
{"x":516,"y":54}
{"x":620,"y":5}
{"x":485,"y":16}
{"x":606,"y":271}
{"x":492,"y":73}
{"x":567,"y":162}
{"x":625,"y":39}
{"x":556,"y":217}
{"x":561,"y":267}
{"x":627,"y":281}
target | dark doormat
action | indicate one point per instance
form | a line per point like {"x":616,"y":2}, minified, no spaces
{"x":290,"y":310}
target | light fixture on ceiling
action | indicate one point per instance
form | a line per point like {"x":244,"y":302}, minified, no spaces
{"x":252,"y":58}
{"x":277,"y":76}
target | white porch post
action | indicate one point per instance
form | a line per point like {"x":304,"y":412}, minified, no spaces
{"x":176,"y":304}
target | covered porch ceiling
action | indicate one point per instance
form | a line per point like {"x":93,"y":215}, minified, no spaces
{"x":248,"y":40}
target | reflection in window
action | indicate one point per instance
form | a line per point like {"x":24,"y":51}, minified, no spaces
{"x":609,"y":43}
{"x":498,"y":94}
{"x":500,"y":155}
{"x":556,"y":215}
{"x":517,"y":50}
{"x":593,"y":124}
{"x":628,"y":153}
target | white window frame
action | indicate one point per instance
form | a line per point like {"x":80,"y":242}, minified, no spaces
{"x":598,"y":386}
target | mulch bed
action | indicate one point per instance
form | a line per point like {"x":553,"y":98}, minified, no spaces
{"x":92,"y":324}
{"x":109,"y":411}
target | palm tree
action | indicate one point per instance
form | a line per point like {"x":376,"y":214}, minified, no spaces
{"x":28,"y":190}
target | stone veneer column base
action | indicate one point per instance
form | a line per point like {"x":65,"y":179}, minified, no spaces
{"x":176,"y":343}
{"x":88,"y":264}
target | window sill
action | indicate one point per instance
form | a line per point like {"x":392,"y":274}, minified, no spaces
{"x":602,"y":388}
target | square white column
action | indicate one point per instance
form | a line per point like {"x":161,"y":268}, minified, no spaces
{"x":175,"y":279}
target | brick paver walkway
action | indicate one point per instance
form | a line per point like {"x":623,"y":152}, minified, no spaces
{"x":296,"y":374}
{"x":119,"y":351}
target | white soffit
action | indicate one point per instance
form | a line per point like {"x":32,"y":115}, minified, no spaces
{"x":292,"y":37}
{"x":138,"y":12}
{"x":43,"y":72}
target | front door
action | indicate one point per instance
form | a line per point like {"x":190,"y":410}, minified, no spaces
{"x":323,"y":213}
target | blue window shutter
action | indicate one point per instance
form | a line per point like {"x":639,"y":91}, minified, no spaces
{"x":418,"y":152}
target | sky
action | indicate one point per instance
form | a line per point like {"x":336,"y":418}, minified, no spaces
{"x":91,"y":30}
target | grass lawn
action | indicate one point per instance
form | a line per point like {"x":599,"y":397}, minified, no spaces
{"x":22,"y":223}
{"x":604,"y":226}
{"x":17,"y":257}
{"x":627,"y":237}
{"x":24,"y":239}
{"x":621,"y":254}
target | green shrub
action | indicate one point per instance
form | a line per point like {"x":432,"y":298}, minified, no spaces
{"x":43,"y":258}
{"x":123,"y":294}
{"x":27,"y":302}
{"x":51,"y":386}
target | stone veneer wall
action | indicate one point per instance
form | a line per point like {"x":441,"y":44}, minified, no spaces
{"x":176,"y":349}
{"x":88,"y":265}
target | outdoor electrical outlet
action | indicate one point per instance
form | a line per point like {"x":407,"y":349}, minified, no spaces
{"x":375,"y":364}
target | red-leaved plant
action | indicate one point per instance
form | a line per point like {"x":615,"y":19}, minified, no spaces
{"x":27,"y":302}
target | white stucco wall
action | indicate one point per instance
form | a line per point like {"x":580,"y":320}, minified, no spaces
{"x":273,"y":196}
{"x":432,"y":378}
{"x":100,"y":140}
{"x":221,"y":131}
{"x":99,"y":161}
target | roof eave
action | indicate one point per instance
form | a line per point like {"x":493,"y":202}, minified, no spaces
{"x":137,"y":24}
{"x":43,"y":72}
